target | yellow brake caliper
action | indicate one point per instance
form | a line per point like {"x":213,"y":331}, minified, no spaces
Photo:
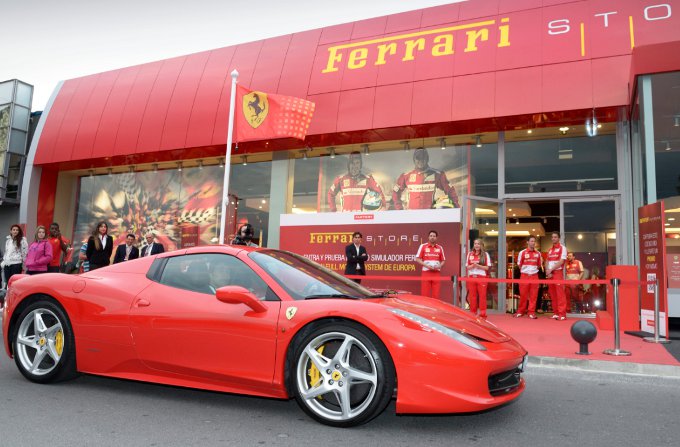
{"x":315,"y":374}
{"x":59,"y":342}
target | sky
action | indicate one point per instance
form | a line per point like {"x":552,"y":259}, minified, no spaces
{"x":43,"y":42}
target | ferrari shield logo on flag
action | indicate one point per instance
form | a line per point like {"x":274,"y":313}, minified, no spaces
{"x":265,"y":116}
{"x":255,"y":108}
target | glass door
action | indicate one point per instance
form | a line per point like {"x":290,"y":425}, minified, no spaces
{"x":484,"y":218}
{"x":589,"y":228}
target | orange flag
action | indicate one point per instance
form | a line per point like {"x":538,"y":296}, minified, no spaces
{"x":263,"y":116}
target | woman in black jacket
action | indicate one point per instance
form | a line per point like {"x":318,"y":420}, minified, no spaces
{"x":99,"y":247}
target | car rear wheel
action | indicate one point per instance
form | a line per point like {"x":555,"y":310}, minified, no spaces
{"x":44,"y":348}
{"x":343,"y":374}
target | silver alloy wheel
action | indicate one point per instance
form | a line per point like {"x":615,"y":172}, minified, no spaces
{"x":341,"y":385}
{"x":40,"y":342}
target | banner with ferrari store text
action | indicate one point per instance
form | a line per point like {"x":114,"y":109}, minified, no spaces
{"x":391,"y":241}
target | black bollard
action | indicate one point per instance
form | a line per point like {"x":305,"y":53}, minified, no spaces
{"x":583,"y":332}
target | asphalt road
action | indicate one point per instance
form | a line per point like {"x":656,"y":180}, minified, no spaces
{"x":559,"y":408}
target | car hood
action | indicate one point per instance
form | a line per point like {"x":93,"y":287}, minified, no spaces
{"x":449,"y":316}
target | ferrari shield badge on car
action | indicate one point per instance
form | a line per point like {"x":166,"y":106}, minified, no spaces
{"x":290,"y":312}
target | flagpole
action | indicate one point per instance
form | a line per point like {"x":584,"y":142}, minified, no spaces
{"x":227,"y":160}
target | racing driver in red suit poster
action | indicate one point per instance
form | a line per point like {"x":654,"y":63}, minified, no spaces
{"x":360,"y":192}
{"x":421,"y":184}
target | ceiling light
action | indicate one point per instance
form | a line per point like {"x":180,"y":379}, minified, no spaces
{"x":529,"y":131}
{"x":668,"y":146}
{"x":599,"y":126}
{"x":221,"y":162}
{"x":442,"y":143}
{"x":179,"y":166}
{"x":367,"y":151}
{"x":591,"y":126}
{"x":244,"y":160}
{"x":564,"y":130}
{"x":478,"y":141}
{"x":264,"y":201}
{"x":304,"y":154}
{"x":579,"y":237}
{"x":406,"y":144}
{"x":331,"y":152}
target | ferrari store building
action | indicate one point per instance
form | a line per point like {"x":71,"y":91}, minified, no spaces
{"x":534,"y":116}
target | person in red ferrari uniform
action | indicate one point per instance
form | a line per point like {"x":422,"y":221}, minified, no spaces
{"x":478,"y":265}
{"x":431,"y":256}
{"x":554,"y":270}
{"x":574,"y":270}
{"x":421,"y":184}
{"x":354,"y":186}
{"x":529,"y":262}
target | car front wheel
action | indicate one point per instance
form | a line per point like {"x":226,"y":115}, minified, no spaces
{"x":44,"y":348}
{"x":343,"y":374}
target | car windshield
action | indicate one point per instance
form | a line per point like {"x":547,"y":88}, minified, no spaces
{"x":303,"y":279}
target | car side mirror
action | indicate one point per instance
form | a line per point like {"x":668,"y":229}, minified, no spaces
{"x":239,"y":295}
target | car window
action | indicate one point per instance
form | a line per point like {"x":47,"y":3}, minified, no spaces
{"x":205,"y":273}
{"x":304,"y":279}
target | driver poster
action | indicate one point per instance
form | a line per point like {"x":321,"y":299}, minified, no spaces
{"x":420,"y":179}
{"x":391,"y":241}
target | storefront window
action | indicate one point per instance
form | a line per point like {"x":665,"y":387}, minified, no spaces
{"x":180,"y":207}
{"x":666,"y":109}
{"x":395,"y":176}
{"x":566,"y":163}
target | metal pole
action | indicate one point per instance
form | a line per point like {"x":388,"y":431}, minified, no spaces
{"x":656,"y":338}
{"x":454,"y":278}
{"x":617,"y":337}
{"x":227,"y":158}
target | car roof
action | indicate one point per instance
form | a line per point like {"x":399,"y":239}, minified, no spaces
{"x":229,"y":249}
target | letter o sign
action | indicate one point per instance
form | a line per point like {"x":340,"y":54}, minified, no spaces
{"x":665,"y":6}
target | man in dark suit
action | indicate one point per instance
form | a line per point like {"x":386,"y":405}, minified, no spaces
{"x":356,"y":257}
{"x":126,"y":251}
{"x":152,"y":248}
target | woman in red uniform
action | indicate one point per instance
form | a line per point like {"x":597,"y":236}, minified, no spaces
{"x":478,"y":265}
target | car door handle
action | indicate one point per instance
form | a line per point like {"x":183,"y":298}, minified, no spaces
{"x":142,"y":303}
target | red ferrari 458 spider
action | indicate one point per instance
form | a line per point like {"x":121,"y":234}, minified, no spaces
{"x":261,"y":322}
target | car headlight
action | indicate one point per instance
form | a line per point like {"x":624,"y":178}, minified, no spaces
{"x":424,"y":322}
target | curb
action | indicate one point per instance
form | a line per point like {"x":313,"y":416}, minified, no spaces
{"x":639,"y":369}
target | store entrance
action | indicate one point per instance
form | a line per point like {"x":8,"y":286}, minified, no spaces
{"x":588,"y":229}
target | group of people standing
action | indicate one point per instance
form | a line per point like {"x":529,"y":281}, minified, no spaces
{"x":48,"y":252}
{"x":42,"y":255}
{"x":530,"y":261}
{"x":97,"y":251}
{"x":430,"y":256}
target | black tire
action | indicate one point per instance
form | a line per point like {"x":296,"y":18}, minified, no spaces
{"x":351,"y":379}
{"x":43,"y":343}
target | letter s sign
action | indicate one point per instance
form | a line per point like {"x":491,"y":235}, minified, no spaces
{"x":558,"y":27}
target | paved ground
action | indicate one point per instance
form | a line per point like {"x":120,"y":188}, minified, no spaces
{"x":559,"y":408}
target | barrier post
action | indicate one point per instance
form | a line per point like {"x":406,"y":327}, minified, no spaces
{"x":454,"y":278}
{"x":656,"y":338}
{"x":617,"y":336}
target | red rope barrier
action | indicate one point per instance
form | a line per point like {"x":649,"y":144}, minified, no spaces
{"x":604,"y":282}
